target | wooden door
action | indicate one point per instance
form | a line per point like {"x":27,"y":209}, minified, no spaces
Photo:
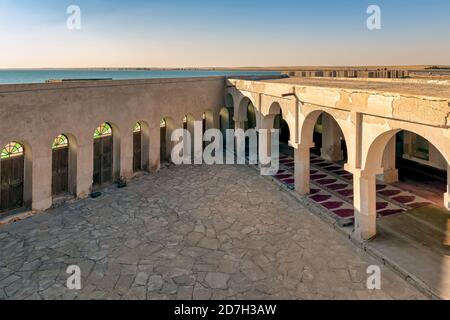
{"x":60,"y":171}
{"x":137,"y":151}
{"x":103,"y":161}
{"x":12,"y":177}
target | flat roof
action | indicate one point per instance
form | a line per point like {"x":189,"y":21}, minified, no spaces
{"x":414,"y":87}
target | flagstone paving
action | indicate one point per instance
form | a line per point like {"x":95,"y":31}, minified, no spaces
{"x":203,"y":232}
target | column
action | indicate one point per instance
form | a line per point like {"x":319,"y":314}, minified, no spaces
{"x":155,"y":149}
{"x":85,"y":166}
{"x":447,"y":194}
{"x":389,"y":162}
{"x":302,"y":169}
{"x":239,"y":125}
{"x":364,"y":192}
{"x":126,"y":155}
{"x":41,"y":183}
{"x":331,"y":139}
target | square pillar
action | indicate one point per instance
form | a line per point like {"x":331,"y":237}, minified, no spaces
{"x":302,"y":170}
{"x":85,"y":167}
{"x":390,"y":172}
{"x":126,"y":156}
{"x":41,"y":185}
{"x":365,"y":203}
{"x":331,"y":140}
{"x":155,"y":149}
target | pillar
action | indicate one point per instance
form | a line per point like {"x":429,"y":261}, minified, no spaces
{"x":364,"y":192}
{"x":85,"y":166}
{"x":41,"y":181}
{"x":390,"y":172}
{"x":126,"y":155}
{"x":331,"y":139}
{"x":239,"y":125}
{"x":154,"y":149}
{"x":447,"y":194}
{"x":302,"y":169}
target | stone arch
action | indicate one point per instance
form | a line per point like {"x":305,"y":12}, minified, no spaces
{"x":240,"y":113}
{"x":309,"y":122}
{"x":275,"y":115}
{"x":373,"y":158}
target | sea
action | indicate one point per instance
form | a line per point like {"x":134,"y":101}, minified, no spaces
{"x":21,"y":76}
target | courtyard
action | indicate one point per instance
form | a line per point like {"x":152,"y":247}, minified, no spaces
{"x":189,"y":232}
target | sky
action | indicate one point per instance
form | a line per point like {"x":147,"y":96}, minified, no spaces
{"x":231,"y":33}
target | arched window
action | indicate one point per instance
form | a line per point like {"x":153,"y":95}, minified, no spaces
{"x":61,"y":141}
{"x":137,"y":127}
{"x":163,"y":123}
{"x":12,"y":149}
{"x":104,"y":130}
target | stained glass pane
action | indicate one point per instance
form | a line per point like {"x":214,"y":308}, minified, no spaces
{"x":137,"y":127}
{"x":185,"y":119}
{"x":60,"y":142}
{"x":104,"y":130}
{"x":163,"y":123}
{"x":12,"y":149}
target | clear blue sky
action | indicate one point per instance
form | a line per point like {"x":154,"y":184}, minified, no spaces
{"x":174,"y":33}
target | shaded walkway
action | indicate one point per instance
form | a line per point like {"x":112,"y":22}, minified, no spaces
{"x":332,"y":188}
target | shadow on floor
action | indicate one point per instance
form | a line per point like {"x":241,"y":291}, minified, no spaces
{"x":419,"y":243}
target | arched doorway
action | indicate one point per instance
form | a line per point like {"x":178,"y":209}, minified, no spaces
{"x":325,"y":181}
{"x":137,"y":147}
{"x":103,"y":156}
{"x":413,"y":164}
{"x":60,"y":165}
{"x":329,"y":142}
{"x":12,"y":176}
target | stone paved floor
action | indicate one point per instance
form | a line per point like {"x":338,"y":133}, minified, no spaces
{"x":203,"y":232}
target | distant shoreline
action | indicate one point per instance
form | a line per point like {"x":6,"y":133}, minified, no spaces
{"x":271,"y":68}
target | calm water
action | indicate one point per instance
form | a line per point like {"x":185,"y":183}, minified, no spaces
{"x":40,"y":76}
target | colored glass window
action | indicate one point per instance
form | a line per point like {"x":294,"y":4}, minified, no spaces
{"x":61,"y":141}
{"x":104,"y":130}
{"x":12,"y":149}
